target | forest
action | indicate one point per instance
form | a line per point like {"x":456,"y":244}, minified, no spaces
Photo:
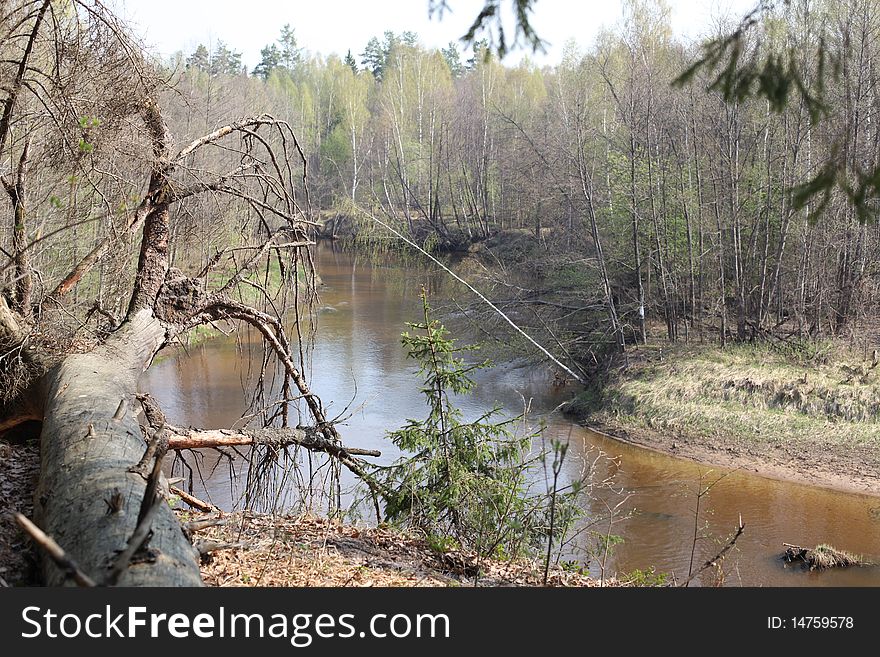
{"x":663,"y":202}
{"x":627,"y":211}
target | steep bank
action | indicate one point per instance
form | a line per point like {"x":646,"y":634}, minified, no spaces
{"x":813,"y":418}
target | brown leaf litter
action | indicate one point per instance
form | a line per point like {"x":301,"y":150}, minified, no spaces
{"x":312,"y":551}
{"x":19,"y":465}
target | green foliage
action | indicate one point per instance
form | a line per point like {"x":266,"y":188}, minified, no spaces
{"x":223,"y":61}
{"x":572,"y":566}
{"x":645,"y":578}
{"x":376,"y":55}
{"x":350,"y":62}
{"x":200,"y":59}
{"x":291,"y":53}
{"x":467,"y":483}
{"x":778,"y":76}
{"x":336,"y":147}
{"x":488,"y":24}
{"x":773,"y":75}
{"x":605,"y":544}
{"x":571,"y":276}
{"x":586,"y":402}
{"x":460,"y":479}
{"x":453,"y":59}
{"x":270,"y":59}
{"x":373,"y":58}
{"x":284,"y":54}
{"x":442,"y":544}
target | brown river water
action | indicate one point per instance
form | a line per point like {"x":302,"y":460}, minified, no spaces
{"x":357,"y":366}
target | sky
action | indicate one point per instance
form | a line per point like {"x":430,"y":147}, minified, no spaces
{"x":335,"y":26}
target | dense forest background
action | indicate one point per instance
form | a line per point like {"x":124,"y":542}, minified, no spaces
{"x":638,"y":208}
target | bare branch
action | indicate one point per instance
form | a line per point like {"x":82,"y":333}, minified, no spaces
{"x":308,"y":437}
{"x":55,"y":552}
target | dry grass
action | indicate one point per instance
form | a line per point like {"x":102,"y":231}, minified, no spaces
{"x":312,"y":551}
{"x":822,"y":557}
{"x":748,"y":392}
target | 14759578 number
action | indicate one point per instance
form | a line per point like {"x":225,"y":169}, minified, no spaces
{"x":810,"y":623}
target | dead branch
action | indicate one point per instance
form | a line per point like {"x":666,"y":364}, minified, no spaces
{"x":206,"y":546}
{"x":219,"y":133}
{"x":149,"y":505}
{"x":136,"y":542}
{"x":58,"y":555}
{"x":155,"y":451}
{"x":152,"y":411}
{"x":193,"y":501}
{"x":273,"y":333}
{"x":721,"y":554}
{"x":308,"y":437}
{"x":15,"y":88}
{"x":194,"y":526}
{"x":21,"y":258}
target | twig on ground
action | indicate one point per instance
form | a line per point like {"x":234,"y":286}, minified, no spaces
{"x":57,"y":554}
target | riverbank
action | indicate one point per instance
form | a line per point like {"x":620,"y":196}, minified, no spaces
{"x":812,"y":418}
{"x":298,"y":551}
{"x":290,"y":551}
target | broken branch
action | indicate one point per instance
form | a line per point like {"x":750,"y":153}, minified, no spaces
{"x":58,"y":555}
{"x":193,"y":501}
{"x":309,"y":437}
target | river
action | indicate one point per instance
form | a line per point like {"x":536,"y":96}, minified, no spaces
{"x":359,"y":369}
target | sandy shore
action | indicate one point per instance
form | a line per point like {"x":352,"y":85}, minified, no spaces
{"x":856,"y":471}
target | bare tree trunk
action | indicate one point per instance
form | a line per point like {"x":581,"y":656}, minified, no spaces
{"x":17,"y":194}
{"x":637,"y":256}
{"x":90,"y":440}
{"x":722,"y":283}
{"x":586,"y":187}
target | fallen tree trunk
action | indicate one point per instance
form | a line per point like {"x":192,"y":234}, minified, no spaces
{"x":92,"y":501}
{"x":87,"y":498}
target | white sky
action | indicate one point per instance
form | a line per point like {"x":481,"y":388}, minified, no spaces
{"x":335,"y":26}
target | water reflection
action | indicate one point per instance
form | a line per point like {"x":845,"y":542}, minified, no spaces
{"x":359,"y":369}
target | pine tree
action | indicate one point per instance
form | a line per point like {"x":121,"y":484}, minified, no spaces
{"x":270,"y":59}
{"x":291,"y":53}
{"x":350,"y":62}
{"x":482,"y":53}
{"x":409,"y":38}
{"x":453,"y":59}
{"x":200,"y":59}
{"x":225,"y":61}
{"x":460,"y":475}
{"x":373,"y":58}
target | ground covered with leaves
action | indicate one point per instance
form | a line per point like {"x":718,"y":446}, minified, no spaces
{"x":19,"y":465}
{"x":313,"y":551}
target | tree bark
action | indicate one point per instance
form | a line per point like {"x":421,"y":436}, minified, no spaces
{"x":90,"y":440}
